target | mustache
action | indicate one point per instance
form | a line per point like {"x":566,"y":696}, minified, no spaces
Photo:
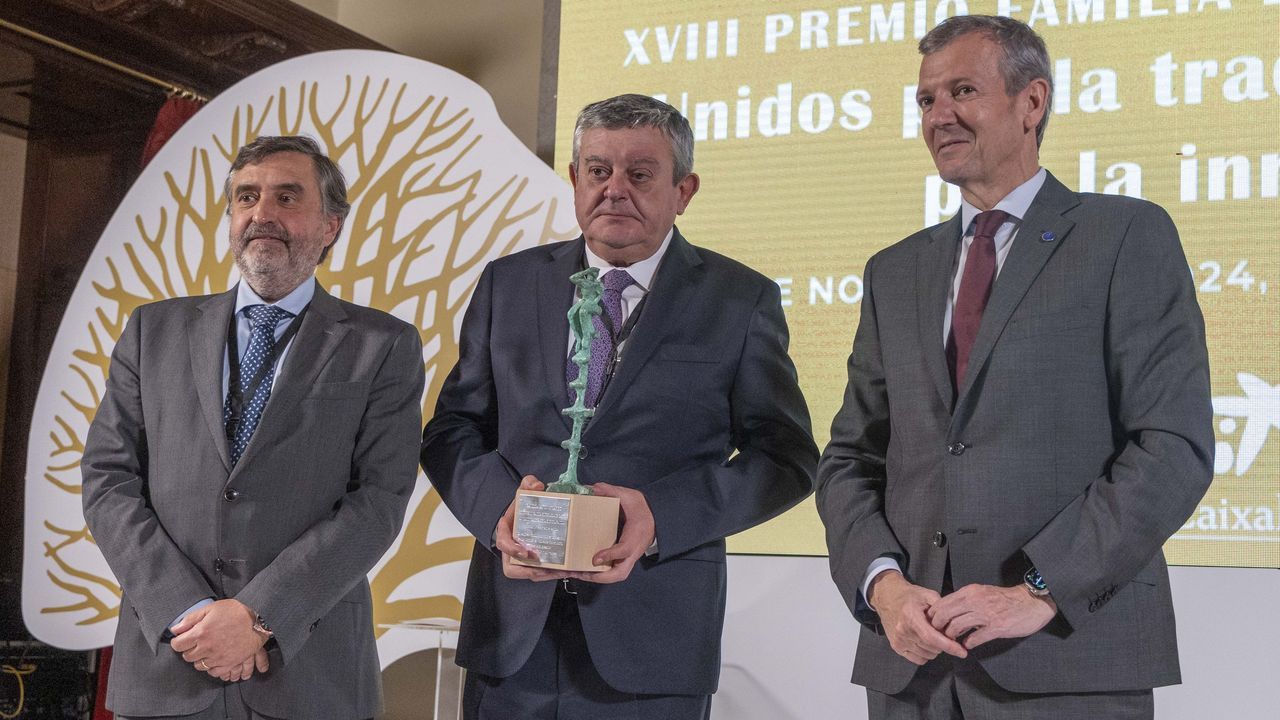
{"x":264,"y":230}
{"x":608,"y":208}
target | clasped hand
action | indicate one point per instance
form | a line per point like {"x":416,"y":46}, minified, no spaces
{"x":921,"y":624}
{"x":636,"y":537}
{"x":219,"y":639}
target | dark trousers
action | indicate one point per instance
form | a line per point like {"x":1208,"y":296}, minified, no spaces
{"x":228,"y":706}
{"x":559,"y":682}
{"x":948,"y":688}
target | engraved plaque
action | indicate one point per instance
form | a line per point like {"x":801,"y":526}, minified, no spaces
{"x":542,"y":523}
{"x":565,"y":530}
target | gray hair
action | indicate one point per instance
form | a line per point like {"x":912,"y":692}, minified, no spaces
{"x":1026,"y":57}
{"x":333,"y":186}
{"x":636,"y":111}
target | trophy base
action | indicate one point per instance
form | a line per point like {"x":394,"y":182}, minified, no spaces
{"x":565,"y":530}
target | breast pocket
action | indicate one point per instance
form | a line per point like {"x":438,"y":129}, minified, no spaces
{"x":1072,"y":320}
{"x":337,"y":390}
{"x":330,"y":415}
{"x":702,"y":354}
{"x":687,"y":372}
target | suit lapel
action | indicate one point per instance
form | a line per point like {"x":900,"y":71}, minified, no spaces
{"x":207,"y":341}
{"x":673,"y":288}
{"x":1026,"y":258}
{"x":936,"y":270}
{"x":321,"y":332}
{"x":555,"y":295}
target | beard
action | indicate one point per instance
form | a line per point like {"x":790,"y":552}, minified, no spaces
{"x":260,"y":261}
{"x":270,"y":271}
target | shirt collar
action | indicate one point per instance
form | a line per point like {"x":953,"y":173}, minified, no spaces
{"x":1016,"y":203}
{"x":642,"y":272}
{"x":293,"y":303}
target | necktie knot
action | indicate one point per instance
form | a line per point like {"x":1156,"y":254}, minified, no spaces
{"x":617,"y":280}
{"x":268,"y":315}
{"x":987,"y":223}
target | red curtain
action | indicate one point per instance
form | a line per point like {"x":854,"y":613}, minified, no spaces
{"x":100,"y":711}
{"x":172,"y":115}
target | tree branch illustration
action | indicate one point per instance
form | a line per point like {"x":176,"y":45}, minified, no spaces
{"x":421,"y":200}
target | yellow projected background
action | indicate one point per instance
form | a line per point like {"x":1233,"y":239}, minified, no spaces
{"x":810,"y":156}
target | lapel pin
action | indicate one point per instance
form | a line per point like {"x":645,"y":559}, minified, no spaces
{"x":1047,"y":236}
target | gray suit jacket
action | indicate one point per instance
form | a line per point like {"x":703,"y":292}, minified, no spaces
{"x":319,"y":495}
{"x":705,"y":374}
{"x":1079,"y":440}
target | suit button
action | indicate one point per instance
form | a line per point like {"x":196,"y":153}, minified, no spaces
{"x":218,"y":565}
{"x":231,"y":495}
{"x":939,"y":539}
{"x":957,"y":448}
{"x":582,"y":453}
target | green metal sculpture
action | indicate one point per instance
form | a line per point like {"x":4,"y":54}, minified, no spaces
{"x":581,"y":317}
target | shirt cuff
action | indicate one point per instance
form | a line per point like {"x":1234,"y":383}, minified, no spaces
{"x":193,"y":608}
{"x":877,"y":566}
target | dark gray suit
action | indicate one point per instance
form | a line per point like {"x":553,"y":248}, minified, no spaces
{"x":1080,"y":440}
{"x":290,"y":531}
{"x":705,"y":373}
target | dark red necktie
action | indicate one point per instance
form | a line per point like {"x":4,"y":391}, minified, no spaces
{"x":975,"y":289}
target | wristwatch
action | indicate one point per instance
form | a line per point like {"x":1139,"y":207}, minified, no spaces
{"x":260,"y":626}
{"x":1035,"y":584}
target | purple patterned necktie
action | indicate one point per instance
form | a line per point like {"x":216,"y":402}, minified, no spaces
{"x":602,"y":347}
{"x":975,"y":288}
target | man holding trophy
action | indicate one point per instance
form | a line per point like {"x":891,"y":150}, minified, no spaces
{"x":674,"y":398}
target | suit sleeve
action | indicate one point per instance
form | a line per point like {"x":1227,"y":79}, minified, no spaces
{"x":160,"y":580}
{"x":317,"y":569}
{"x":458,"y":450}
{"x":1158,"y":377}
{"x":852,"y":475}
{"x":774,"y":466}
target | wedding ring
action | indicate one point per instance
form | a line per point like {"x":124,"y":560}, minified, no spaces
{"x":206,"y":666}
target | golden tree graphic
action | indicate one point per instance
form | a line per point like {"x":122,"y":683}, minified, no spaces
{"x":426,"y":215}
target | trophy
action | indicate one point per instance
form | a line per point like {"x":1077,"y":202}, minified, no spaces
{"x":567,"y":525}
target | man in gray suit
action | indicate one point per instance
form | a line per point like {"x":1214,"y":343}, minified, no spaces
{"x":1027,"y":421}
{"x":250,"y":461}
